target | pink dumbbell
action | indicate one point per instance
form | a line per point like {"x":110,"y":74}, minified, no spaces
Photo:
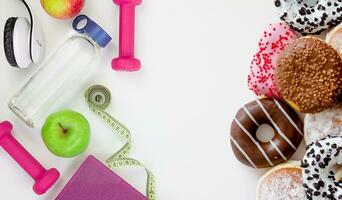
{"x":44,"y":179}
{"x":126,"y":60}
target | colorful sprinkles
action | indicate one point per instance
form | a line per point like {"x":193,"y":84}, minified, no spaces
{"x":262,"y":69}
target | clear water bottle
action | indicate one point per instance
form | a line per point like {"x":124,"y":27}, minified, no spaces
{"x":61,"y":74}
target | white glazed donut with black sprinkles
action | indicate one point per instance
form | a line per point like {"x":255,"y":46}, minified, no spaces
{"x":318,"y":175}
{"x":308,"y":19}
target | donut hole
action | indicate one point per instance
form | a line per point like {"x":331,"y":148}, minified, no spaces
{"x":265,"y":133}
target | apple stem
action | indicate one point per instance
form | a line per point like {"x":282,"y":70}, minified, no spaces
{"x":64,"y":130}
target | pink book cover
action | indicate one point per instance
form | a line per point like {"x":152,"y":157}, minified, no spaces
{"x":94,"y":181}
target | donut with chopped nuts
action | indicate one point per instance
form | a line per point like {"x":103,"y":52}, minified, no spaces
{"x":310,"y":19}
{"x":261,"y":75}
{"x":319,"y":165}
{"x":309,"y":75}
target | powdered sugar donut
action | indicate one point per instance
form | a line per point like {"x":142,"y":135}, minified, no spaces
{"x":334,"y":38}
{"x":261,"y":76}
{"x":310,"y":19}
{"x":283,"y":182}
{"x":318,"y":169}
{"x":320,"y":125}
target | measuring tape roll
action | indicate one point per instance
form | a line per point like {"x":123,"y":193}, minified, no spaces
{"x":98,"y":98}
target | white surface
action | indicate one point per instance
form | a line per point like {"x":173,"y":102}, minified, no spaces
{"x":195,"y":58}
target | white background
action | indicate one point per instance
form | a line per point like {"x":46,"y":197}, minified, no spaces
{"x":195,"y":58}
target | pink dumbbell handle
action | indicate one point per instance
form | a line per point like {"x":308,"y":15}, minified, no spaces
{"x":22,"y":157}
{"x":127,"y":28}
{"x":126,"y":60}
{"x":44,"y":179}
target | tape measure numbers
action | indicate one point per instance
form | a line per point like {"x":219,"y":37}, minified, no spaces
{"x":98,"y":99}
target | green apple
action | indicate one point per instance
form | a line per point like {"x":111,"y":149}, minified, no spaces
{"x":66,"y":133}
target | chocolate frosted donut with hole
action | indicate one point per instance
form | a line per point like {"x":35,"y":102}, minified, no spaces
{"x":286,"y":126}
{"x":310,"y":18}
{"x":309,"y":75}
{"x":283,"y":182}
{"x":318,"y":169}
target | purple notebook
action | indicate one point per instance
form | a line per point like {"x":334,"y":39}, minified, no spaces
{"x":94,"y":181}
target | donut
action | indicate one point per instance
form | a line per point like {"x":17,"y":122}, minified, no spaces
{"x":261,"y":75}
{"x":282,"y":182}
{"x":334,"y":38}
{"x":285,"y":123}
{"x":310,"y":19}
{"x":309,"y":75}
{"x":319,"y":165}
{"x":320,"y":125}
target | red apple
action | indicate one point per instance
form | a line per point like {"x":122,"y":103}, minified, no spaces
{"x":62,"y":9}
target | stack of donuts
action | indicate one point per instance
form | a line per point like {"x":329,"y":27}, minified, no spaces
{"x":295,"y":73}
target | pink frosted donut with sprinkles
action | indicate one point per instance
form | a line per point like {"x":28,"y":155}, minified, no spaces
{"x":262,"y":69}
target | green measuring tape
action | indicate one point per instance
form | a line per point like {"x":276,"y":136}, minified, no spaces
{"x":98,"y":99}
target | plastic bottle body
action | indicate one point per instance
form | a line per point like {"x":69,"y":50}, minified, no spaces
{"x":61,"y":74}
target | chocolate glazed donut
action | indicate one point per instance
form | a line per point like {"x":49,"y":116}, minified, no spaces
{"x":285,"y":122}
